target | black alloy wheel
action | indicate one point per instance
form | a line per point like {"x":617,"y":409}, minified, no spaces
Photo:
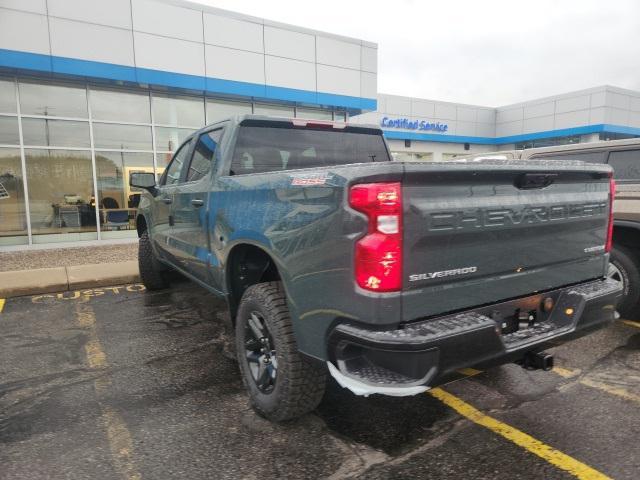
{"x":260,"y":353}
{"x":282,"y":383}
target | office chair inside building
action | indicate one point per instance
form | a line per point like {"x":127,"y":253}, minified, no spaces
{"x":108,"y":202}
{"x":116,"y":219}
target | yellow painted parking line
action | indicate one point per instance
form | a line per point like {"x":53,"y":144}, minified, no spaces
{"x":565,"y":372}
{"x":631,"y":323}
{"x":617,"y":391}
{"x":605,"y":387}
{"x":118,"y":435}
{"x":469,"y":372}
{"x":2,"y":302}
{"x":550,"y":454}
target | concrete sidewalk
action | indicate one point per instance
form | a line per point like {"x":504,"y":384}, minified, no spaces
{"x":46,"y":280}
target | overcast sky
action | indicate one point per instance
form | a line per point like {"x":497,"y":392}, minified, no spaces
{"x":489,"y":52}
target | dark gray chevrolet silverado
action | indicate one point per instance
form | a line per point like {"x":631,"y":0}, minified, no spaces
{"x":389,"y":276}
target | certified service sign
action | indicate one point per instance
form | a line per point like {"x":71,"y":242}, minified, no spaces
{"x":407,"y":124}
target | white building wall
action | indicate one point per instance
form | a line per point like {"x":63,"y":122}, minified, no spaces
{"x":595,"y":106}
{"x":182,"y":37}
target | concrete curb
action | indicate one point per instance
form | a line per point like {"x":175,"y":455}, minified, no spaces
{"x":46,"y":280}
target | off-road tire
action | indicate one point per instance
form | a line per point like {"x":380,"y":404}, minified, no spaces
{"x":152,"y":272}
{"x":627,"y":263}
{"x":299,"y":384}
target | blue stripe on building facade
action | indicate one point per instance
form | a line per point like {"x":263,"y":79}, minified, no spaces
{"x":584,"y":130}
{"x":98,"y":70}
{"x":108,"y":71}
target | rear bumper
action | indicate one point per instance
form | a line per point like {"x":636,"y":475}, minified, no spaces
{"x":427,"y":352}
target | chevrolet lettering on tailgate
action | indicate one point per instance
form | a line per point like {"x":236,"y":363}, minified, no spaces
{"x":498,"y":217}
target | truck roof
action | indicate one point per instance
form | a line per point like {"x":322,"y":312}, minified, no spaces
{"x":238,"y":119}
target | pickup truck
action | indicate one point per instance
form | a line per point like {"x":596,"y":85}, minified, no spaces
{"x":388,"y":276}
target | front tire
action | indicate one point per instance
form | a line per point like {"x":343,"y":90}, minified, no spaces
{"x":624,"y":268}
{"x":281,"y":383}
{"x":151,"y":271}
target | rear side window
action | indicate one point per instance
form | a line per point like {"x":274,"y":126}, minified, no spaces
{"x":203,"y":154}
{"x":271,"y":149}
{"x":626,"y":164}
{"x":588,"y":157}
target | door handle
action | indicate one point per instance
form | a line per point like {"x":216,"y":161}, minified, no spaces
{"x":167,"y":200}
{"x":196,"y":202}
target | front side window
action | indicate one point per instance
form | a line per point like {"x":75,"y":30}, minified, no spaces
{"x":626,"y":165}
{"x":203,"y":154}
{"x":172,"y":173}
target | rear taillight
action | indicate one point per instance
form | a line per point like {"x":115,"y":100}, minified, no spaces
{"x":378,"y":255}
{"x":612,"y":196}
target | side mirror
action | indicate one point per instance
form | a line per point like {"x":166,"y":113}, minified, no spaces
{"x":146,"y":180}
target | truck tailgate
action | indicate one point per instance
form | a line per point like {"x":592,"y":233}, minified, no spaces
{"x":481,"y":232}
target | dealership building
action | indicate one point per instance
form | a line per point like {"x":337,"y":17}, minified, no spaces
{"x":92,"y":90}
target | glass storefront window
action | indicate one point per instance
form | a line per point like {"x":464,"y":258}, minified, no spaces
{"x":9,"y":131}
{"x":314,"y":114}
{"x":119,"y":201}
{"x":273,"y":110}
{"x":179,"y":111}
{"x":52,"y":100}
{"x":120,"y":106}
{"x":13,"y":220}
{"x":169,"y":139}
{"x":412,"y":157}
{"x":221,"y":110}
{"x":340,"y":117}
{"x":7,"y":96}
{"x":616,"y":136}
{"x":162,"y":160}
{"x":122,"y":137}
{"x":55,"y":133}
{"x":548,"y":142}
{"x":129,"y":127}
{"x":61,"y":200}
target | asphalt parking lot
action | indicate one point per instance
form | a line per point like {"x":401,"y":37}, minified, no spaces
{"x":120,"y":383}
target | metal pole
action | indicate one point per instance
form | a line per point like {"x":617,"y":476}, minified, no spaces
{"x":23,"y":163}
{"x":153,"y":136}
{"x":93,"y":165}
